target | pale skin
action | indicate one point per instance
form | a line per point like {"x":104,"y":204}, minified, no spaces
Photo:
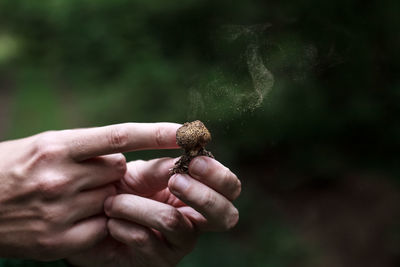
{"x":70,"y":194}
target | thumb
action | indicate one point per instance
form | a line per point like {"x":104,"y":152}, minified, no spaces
{"x":145,"y":178}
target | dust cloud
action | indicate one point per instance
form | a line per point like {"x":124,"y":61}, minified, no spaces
{"x":222,"y":90}
{"x":263,"y":79}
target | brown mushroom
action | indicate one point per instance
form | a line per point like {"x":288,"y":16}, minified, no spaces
{"x":192,"y":137}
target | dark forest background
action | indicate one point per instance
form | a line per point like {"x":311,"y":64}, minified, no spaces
{"x":318,"y":157}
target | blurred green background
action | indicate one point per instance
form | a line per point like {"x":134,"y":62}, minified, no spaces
{"x":318,"y":154}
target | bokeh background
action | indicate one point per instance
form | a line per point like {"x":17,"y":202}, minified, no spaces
{"x":318,"y":153}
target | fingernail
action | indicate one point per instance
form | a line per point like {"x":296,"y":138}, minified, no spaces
{"x":107,"y":205}
{"x":198,"y":166}
{"x":180,"y":183}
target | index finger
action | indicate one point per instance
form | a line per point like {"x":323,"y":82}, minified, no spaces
{"x":91,"y":142}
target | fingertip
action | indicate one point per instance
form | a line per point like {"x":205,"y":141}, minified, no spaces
{"x":108,"y":205}
{"x":148,"y":177}
{"x":237,"y":190}
{"x":178,"y":184}
{"x":173,"y":124}
{"x":104,"y":227}
{"x":110,"y":225}
{"x":165,"y":134}
{"x":171,"y":180}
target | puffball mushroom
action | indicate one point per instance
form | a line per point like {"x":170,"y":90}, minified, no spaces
{"x":192,"y":137}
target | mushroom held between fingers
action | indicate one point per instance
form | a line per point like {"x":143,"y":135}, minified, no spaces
{"x":192,"y":137}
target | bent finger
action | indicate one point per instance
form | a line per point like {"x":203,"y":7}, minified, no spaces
{"x":218,"y":210}
{"x":85,"y":234}
{"x":150,"y":213}
{"x":145,"y":178}
{"x":89,"y":203}
{"x":135,"y":235}
{"x":100,"y":171}
{"x":144,"y":243}
{"x":215,"y":175}
{"x":196,"y":218}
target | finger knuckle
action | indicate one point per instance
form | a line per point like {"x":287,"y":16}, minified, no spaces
{"x":118,"y":138}
{"x":51,"y":187}
{"x":208,"y":200}
{"x":231,"y":183}
{"x":170,"y":219}
{"x":119,"y":163}
{"x":47,"y":147}
{"x":52,"y":216}
{"x":226,"y":177}
{"x":47,"y":136}
{"x":159,"y":137}
{"x":20,"y":172}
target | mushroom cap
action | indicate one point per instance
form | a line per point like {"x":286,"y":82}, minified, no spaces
{"x":193,"y":135}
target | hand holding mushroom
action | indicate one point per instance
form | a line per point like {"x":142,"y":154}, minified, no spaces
{"x":155,"y":217}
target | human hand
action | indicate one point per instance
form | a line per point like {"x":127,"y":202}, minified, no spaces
{"x":53,"y":186}
{"x":151,"y":226}
{"x":204,"y":195}
{"x":208,"y":192}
